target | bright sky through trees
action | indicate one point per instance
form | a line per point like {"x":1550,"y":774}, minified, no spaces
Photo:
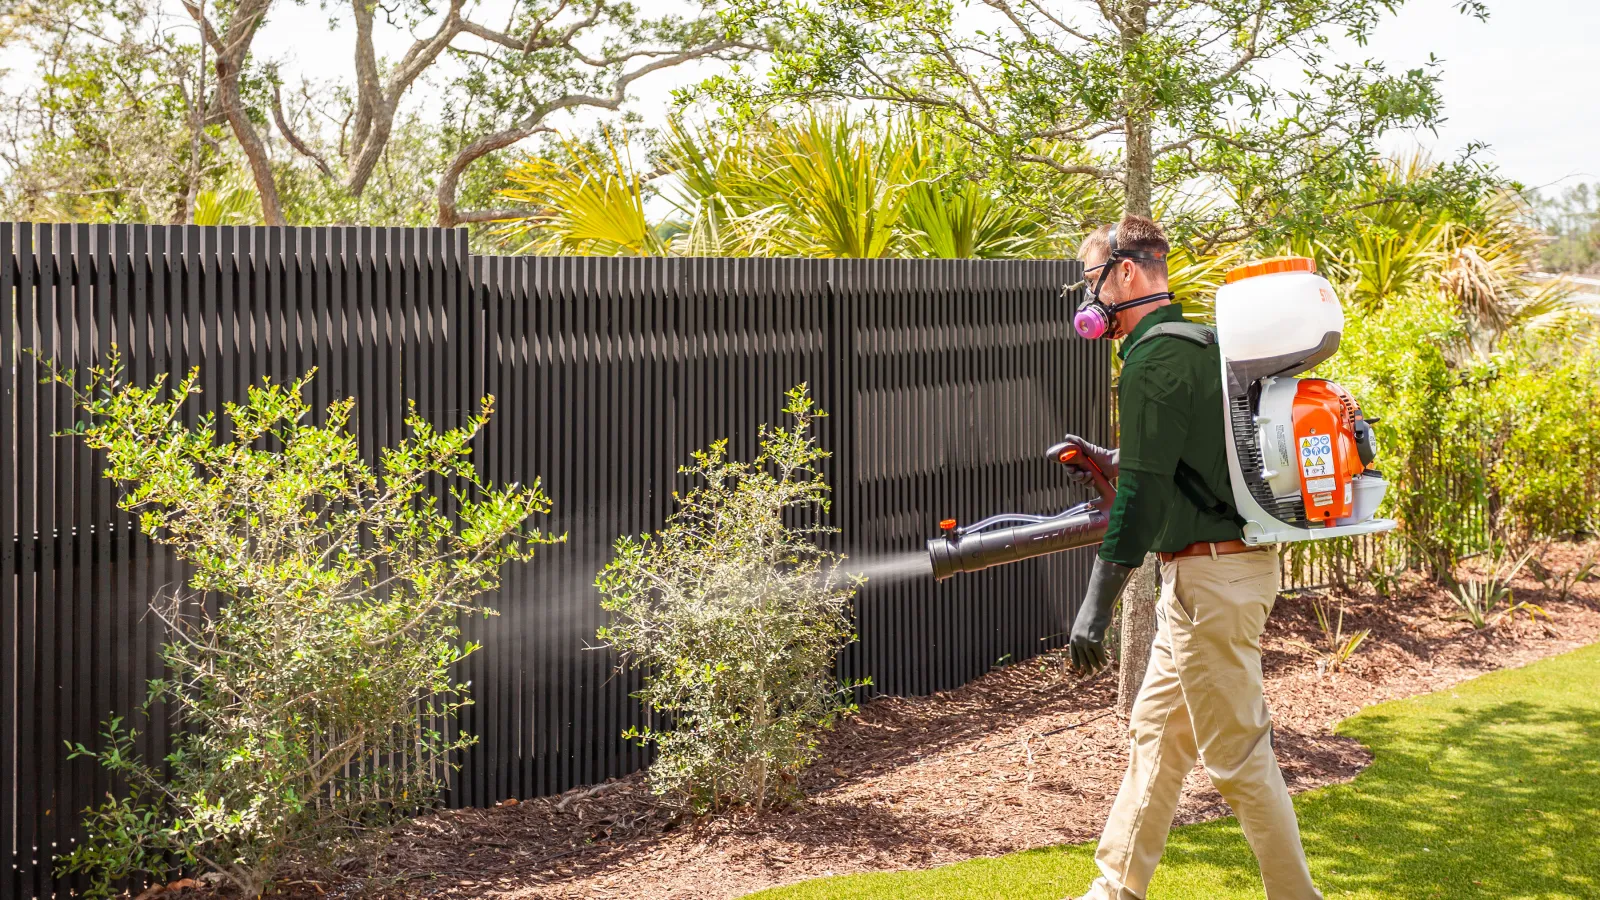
{"x":1522,"y":83}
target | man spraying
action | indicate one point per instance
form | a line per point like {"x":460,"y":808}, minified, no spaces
{"x":1202,"y":693}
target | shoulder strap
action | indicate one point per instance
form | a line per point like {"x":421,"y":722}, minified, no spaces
{"x":1194,"y":489}
{"x":1193,"y":332}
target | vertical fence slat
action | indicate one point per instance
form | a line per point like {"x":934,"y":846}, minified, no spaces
{"x":939,"y":377}
{"x":11,"y":838}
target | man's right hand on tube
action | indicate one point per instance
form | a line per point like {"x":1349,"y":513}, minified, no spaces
{"x":1078,"y":469}
{"x":1088,"y":642}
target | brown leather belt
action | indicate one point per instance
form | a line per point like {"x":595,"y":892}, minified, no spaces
{"x":1207,"y":548}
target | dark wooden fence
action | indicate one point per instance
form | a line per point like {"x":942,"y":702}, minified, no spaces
{"x":944,"y":381}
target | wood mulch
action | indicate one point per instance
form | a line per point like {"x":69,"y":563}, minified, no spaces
{"x":1027,"y":756}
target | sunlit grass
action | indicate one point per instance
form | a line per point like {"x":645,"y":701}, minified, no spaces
{"x":1491,"y":789}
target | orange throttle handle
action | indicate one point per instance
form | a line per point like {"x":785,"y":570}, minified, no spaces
{"x":1070,"y":454}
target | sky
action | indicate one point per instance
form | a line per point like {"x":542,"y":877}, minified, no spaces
{"x":1524,"y":82}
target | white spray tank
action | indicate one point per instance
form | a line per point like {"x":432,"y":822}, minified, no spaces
{"x":1299,"y":449}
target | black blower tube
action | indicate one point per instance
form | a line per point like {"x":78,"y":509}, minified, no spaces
{"x":1008,"y":538}
{"x":981,"y":550}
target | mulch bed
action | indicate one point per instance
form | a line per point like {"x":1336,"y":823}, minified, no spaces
{"x":1027,"y":756}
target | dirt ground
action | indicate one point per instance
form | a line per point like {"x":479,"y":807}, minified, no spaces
{"x":1025,"y":757}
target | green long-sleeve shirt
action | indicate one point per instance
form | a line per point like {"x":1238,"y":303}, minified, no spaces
{"x":1173,"y":489}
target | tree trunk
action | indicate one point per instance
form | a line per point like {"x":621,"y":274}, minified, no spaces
{"x":1141,"y":166}
{"x":1138,"y":123}
{"x":255,"y":151}
{"x":1138,"y":631}
{"x":233,"y":48}
{"x":1139,"y":599}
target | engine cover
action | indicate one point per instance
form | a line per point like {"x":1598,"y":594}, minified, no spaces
{"x":1298,"y":447}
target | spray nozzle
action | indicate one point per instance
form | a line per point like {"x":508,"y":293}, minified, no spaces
{"x":1012,"y":536}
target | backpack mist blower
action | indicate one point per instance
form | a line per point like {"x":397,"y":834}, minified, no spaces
{"x":1299,"y":449}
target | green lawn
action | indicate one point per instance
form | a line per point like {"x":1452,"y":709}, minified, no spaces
{"x":1491,"y":789}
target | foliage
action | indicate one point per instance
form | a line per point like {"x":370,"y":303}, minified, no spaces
{"x":1338,"y":646}
{"x":1181,"y":88}
{"x":1566,"y":579}
{"x":233,"y":204}
{"x":1481,"y":376}
{"x":107,"y":130}
{"x":314,"y":702}
{"x":827,"y":185}
{"x":1481,"y":601}
{"x":133,"y":114}
{"x":591,"y":203}
{"x":845,"y":191}
{"x":1475,"y":450}
{"x":1336,"y":560}
{"x":1541,"y":411}
{"x":951,"y":214}
{"x":1395,"y":360}
{"x":735,"y":614}
{"x":1387,"y":566}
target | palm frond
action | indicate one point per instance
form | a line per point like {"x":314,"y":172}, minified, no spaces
{"x":844,"y":188}
{"x":233,"y":204}
{"x":1194,"y":278}
{"x":589,"y":203}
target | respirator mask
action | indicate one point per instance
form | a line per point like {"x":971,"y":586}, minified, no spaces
{"x":1095,"y":318}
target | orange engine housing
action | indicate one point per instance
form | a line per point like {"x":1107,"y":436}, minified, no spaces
{"x":1325,"y":444}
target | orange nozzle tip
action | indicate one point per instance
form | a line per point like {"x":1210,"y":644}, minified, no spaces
{"x":948,"y":524}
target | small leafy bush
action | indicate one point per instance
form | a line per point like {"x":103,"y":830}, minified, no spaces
{"x":1338,"y":646}
{"x":735,"y":614}
{"x":1481,"y":602}
{"x":313,"y":700}
{"x":1564,"y":580}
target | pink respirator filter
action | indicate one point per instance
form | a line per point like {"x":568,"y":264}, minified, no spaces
{"x":1090,"y":323}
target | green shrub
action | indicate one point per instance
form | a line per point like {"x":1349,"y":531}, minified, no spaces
{"x":735,"y":614}
{"x":1542,"y":407}
{"x":1397,"y":360}
{"x":313,"y":703}
{"x":1502,"y":449}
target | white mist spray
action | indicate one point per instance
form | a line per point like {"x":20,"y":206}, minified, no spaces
{"x":890,"y":568}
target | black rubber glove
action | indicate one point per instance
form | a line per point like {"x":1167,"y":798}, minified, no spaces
{"x":1094,"y":616}
{"x":1078,"y":471}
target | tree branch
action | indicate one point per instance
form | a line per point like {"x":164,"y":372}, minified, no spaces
{"x":232,"y":47}
{"x":377,"y":101}
{"x":475,"y":216}
{"x":533,"y":123}
{"x":294,"y":140}
{"x":537,"y":39}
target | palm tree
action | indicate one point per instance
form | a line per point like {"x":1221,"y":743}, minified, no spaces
{"x":588,"y":202}
{"x":827,"y":185}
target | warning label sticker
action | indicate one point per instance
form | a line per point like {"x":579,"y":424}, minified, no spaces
{"x":1316,"y":456}
{"x":1322,"y":499}
{"x":1320,"y":485}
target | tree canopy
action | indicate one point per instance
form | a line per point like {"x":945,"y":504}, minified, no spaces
{"x":140,"y":103}
{"x":1230,"y":115}
{"x":1231,"y":119}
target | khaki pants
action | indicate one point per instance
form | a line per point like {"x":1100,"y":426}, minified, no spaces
{"x":1202,"y":697}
